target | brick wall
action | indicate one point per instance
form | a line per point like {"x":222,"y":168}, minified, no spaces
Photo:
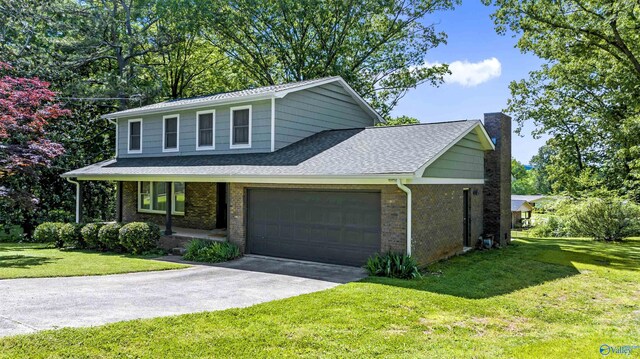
{"x":438,"y":222}
{"x":497,"y":189}
{"x":199,"y":212}
{"x":393,"y":211}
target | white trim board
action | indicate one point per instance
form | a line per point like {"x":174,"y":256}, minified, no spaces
{"x":273,"y":124}
{"x":435,"y":180}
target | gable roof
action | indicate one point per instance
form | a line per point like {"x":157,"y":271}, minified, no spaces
{"x":389,"y":152}
{"x":254,"y":94}
{"x":520,"y":205}
{"x":533,"y":198}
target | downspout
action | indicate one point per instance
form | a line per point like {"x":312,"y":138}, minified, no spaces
{"x":77,"y":198}
{"x":115,"y":122}
{"x":407,"y":190}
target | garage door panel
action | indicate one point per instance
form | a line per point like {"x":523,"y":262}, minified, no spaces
{"x":328,"y":226}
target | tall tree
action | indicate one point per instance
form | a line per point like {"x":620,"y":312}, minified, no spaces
{"x":27,"y":106}
{"x":586,"y":95}
{"x":378,"y":47}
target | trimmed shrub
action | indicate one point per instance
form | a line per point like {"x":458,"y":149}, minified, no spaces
{"x":47,"y":232}
{"x":393,"y":265}
{"x":606,"y":219}
{"x":90,"y":235}
{"x":108,"y":235}
{"x":69,"y":236}
{"x":139,"y":237}
{"x":202,"y":250}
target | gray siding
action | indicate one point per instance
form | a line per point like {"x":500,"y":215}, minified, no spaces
{"x":152,"y":132}
{"x":464,"y":160}
{"x":304,"y":113}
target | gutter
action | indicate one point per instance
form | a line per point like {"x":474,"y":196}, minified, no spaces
{"x":77,"y":198}
{"x":188,"y":106}
{"x":407,"y":190}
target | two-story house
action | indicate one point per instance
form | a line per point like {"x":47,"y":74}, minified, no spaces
{"x":301,"y":171}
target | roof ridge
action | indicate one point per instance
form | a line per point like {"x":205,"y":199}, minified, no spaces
{"x":424,"y":123}
{"x":395,"y":126}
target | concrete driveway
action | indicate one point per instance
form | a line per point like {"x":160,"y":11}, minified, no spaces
{"x":29,"y":305}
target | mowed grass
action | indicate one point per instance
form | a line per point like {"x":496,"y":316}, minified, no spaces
{"x":543,"y":298}
{"x":32,"y":260}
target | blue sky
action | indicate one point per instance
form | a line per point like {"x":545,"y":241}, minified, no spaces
{"x":486,"y":64}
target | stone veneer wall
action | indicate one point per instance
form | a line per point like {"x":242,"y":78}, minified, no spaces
{"x":438,"y":220}
{"x":199,"y":212}
{"x":393,"y":211}
{"x":497,"y":168}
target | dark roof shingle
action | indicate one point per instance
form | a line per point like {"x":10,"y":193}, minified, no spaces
{"x":352,"y":152}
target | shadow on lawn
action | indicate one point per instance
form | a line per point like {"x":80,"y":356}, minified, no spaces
{"x":525,"y":263}
{"x":20,"y":261}
{"x":488,"y":274}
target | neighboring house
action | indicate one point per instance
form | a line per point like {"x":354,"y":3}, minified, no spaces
{"x":532,"y":199}
{"x":299,"y":171}
{"x":520,"y":212}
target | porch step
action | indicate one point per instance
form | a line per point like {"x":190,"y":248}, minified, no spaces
{"x":178,"y":251}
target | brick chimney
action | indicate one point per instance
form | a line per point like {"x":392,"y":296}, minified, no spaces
{"x":497,"y":184}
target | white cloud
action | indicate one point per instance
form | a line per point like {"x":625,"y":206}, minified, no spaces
{"x":469,"y":74}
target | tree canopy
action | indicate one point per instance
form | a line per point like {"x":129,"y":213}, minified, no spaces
{"x":587,"y":94}
{"x":379,"y":48}
{"x":100,"y":56}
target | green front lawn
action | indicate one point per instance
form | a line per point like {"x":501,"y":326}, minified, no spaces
{"x":30,"y":260}
{"x":536,"y":298}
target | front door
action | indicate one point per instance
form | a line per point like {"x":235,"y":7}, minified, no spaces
{"x":466,"y":221}
{"x":221,"y":207}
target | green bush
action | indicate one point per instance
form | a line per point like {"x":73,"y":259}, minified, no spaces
{"x":139,"y":237}
{"x":606,"y":219}
{"x":10,"y":233}
{"x":393,"y":265}
{"x":202,"y":250}
{"x":551,"y":226}
{"x":47,"y":232}
{"x":108,"y":235}
{"x":90,"y":235}
{"x":69,"y":236}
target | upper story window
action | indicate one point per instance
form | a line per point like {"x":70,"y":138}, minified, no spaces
{"x":205,"y":130}
{"x":135,"y":136}
{"x":171,"y":133}
{"x":240,"y":127}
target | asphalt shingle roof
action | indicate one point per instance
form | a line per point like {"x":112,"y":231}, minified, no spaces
{"x":195,"y":101}
{"x":364,"y":151}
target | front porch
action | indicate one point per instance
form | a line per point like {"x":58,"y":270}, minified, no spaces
{"x":181,"y":236}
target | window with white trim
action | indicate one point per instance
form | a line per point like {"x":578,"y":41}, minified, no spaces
{"x":171,"y":132}
{"x":205,"y":130}
{"x":240,"y":127}
{"x":135,"y":136}
{"x":152,"y":197}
